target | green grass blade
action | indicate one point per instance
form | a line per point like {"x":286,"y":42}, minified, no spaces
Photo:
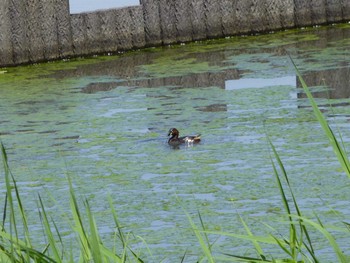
{"x":243,"y":259}
{"x":279,"y":182}
{"x":338,"y":251}
{"x":95,"y":240}
{"x":59,"y":237}
{"x":283,"y":245}
{"x":79,"y":227}
{"x":9,"y":196}
{"x":13,"y":225}
{"x":4,"y":213}
{"x":183,"y":257}
{"x":123,"y":239}
{"x":121,"y":235}
{"x":295,"y":242}
{"x":201,"y":240}
{"x":340,"y":153}
{"x":256,"y":244}
{"x":21,"y":246}
{"x":22,"y":213}
{"x":204,"y":233}
{"x":49,"y":234}
{"x":107,"y":253}
{"x":293,"y":239}
{"x":116,"y":221}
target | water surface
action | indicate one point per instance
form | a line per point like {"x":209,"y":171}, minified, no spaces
{"x":104,"y":121}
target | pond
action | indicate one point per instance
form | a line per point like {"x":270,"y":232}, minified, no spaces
{"x":104,"y":122}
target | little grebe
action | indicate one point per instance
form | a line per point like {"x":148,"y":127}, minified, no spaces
{"x":176,"y":140}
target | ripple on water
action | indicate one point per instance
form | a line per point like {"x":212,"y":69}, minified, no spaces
{"x":109,"y":133}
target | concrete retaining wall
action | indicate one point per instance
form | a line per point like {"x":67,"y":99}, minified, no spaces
{"x":40,"y":30}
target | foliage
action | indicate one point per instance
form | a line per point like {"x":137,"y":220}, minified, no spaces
{"x":17,"y":247}
{"x":298,"y":246}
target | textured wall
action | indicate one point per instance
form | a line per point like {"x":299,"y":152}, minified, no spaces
{"x":41,"y":30}
{"x":108,"y":31}
{"x":6,"y":55}
{"x":34,"y":30}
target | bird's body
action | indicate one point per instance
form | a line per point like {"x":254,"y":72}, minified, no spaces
{"x":175,"y":140}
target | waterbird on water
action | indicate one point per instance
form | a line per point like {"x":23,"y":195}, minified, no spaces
{"x":175,"y":140}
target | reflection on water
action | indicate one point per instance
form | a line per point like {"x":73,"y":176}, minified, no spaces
{"x":213,"y":108}
{"x":338,"y":81}
{"x":260,"y":82}
{"x":105,"y":122}
{"x":192,"y":80}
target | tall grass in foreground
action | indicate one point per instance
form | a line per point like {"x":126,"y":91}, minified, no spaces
{"x":15,"y":239}
{"x":298,"y":246}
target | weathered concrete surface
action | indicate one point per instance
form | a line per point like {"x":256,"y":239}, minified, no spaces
{"x":33,"y":30}
{"x":93,"y":32}
{"x":151,"y":16}
{"x":50,"y":30}
{"x":123,"y":29}
{"x":108,"y":31}
{"x":79,"y":34}
{"x":197,"y":15}
{"x":184,"y":30}
{"x":137,"y":27}
{"x":18,"y":36}
{"x":345,"y":10}
{"x":38,"y":30}
{"x":213,"y":19}
{"x":63,"y":23}
{"x":6,"y":54}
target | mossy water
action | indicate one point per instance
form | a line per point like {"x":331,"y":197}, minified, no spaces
{"x":104,"y":121}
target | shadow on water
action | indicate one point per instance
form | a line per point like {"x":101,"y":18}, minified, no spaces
{"x":338,"y":81}
{"x":105,"y":119}
{"x":202,"y":65}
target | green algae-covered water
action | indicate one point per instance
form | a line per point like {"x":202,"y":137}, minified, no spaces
{"x":104,"y":122}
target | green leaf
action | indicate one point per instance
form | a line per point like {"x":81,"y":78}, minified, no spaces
{"x":339,"y":151}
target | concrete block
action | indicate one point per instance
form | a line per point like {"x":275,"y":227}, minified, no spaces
{"x":229,"y":19}
{"x":318,"y":12}
{"x":183,"y":22}
{"x":50,"y":30}
{"x":152,"y":22}
{"x":93,"y":32}
{"x":123,"y":29}
{"x":273,"y":11}
{"x":258,"y":12}
{"x":109,"y":37}
{"x":213,"y":19}
{"x":275,"y":15}
{"x":34,"y":30}
{"x":345,"y":10}
{"x":19,"y":39}
{"x":5,"y":35}
{"x":287,"y":13}
{"x":65,"y":41}
{"x":167,"y":21}
{"x":79,"y":34}
{"x":243,"y":15}
{"x":197,"y":14}
{"x":302,"y":13}
{"x":334,"y":11}
{"x":137,"y":27}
